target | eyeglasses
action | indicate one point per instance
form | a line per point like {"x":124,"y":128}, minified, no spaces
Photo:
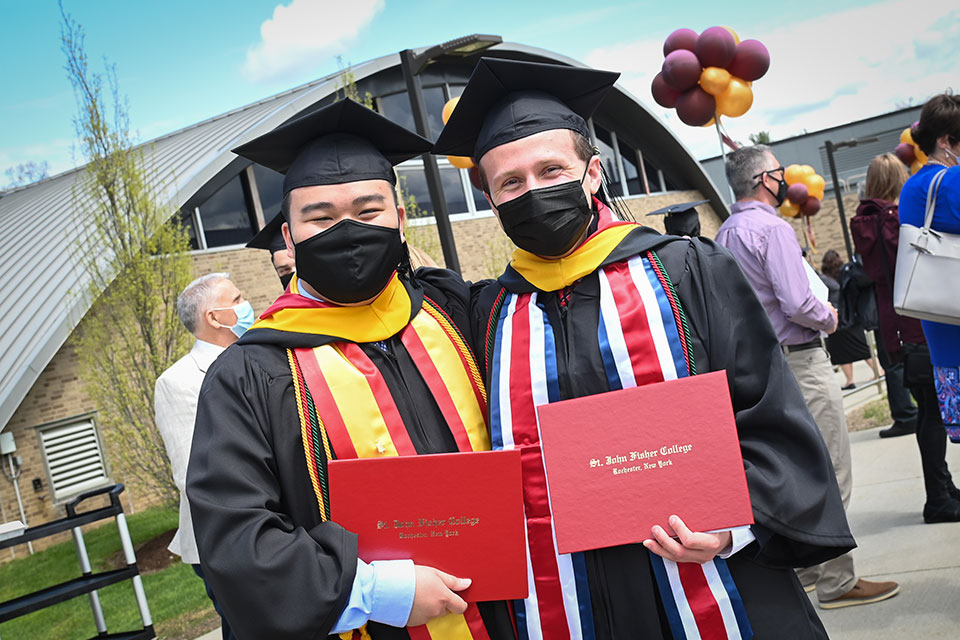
{"x":770,"y":172}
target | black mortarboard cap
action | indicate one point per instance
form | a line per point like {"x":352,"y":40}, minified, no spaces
{"x":270,"y":237}
{"x":681,"y":219}
{"x":506,"y":100}
{"x":343,"y":142}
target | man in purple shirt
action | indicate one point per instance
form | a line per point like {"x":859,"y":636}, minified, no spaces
{"x":766,"y":247}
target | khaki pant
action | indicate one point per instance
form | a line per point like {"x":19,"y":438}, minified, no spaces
{"x":814,"y":373}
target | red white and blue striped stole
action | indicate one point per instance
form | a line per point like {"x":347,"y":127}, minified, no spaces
{"x":643,"y":339}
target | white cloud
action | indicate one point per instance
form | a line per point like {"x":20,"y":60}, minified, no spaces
{"x":824,"y":71}
{"x":300,"y":34}
{"x":57,"y":153}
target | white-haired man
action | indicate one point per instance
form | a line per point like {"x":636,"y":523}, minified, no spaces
{"x":212,"y":308}
{"x":767,"y":250}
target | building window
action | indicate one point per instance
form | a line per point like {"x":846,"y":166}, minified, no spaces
{"x":609,"y":159}
{"x":186,"y":221}
{"x":225,"y":217}
{"x":413,"y":181}
{"x":396,"y":106}
{"x":653,"y":175}
{"x":74,"y":457}
{"x":270,"y":188}
{"x":631,"y":172}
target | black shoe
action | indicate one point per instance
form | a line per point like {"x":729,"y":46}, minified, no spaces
{"x":898,"y":429}
{"x":954,"y":493}
{"x":945,"y":511}
{"x":848,"y":387}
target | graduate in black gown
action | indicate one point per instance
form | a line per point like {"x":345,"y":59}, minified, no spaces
{"x":277,"y":404}
{"x":591,"y":303}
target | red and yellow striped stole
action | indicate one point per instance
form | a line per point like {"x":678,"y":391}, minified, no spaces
{"x":347,"y":410}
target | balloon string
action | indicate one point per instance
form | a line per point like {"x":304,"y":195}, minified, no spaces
{"x":723,"y":151}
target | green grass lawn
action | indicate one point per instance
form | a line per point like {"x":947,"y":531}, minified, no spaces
{"x":178,"y":602}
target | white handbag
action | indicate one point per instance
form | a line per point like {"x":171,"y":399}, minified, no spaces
{"x":926,"y":284}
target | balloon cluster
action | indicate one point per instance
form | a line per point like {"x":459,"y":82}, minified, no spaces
{"x":460,"y":162}
{"x":908,"y":151}
{"x":709,"y":74}
{"x":804,"y":191}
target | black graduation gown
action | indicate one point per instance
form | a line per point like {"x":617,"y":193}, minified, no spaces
{"x":276,"y":570}
{"x":793,"y":489}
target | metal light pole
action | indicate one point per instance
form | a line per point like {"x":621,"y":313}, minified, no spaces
{"x":411,"y":64}
{"x":830,"y":147}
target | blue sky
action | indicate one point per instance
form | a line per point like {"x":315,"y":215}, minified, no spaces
{"x":180,"y":62}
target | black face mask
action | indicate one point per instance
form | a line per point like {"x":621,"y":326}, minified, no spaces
{"x":351,"y":261}
{"x":285,"y":279}
{"x":781,"y":194}
{"x":547,"y":221}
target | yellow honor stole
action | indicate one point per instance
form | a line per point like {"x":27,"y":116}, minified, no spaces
{"x":385,"y":316}
{"x":344,"y":404}
{"x":553,"y":274}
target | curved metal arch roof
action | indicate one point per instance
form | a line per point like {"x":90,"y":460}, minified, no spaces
{"x":43,"y":287}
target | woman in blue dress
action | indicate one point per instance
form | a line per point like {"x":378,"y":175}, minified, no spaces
{"x":938,"y":135}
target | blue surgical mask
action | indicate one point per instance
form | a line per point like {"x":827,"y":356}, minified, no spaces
{"x":245,"y":317}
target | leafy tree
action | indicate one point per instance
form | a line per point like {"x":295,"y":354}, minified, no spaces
{"x":761,"y":137}
{"x":135,"y":256}
{"x":347,"y":86}
{"x":27,"y":173}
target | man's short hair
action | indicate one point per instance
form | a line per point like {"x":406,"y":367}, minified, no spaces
{"x":742,"y":165}
{"x":197,"y":298}
{"x":581,"y":146}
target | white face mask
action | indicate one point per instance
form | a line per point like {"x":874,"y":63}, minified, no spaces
{"x":245,"y":317}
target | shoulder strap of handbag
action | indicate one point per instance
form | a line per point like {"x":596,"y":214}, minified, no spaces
{"x":932,"y":199}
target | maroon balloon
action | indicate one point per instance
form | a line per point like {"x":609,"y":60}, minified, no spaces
{"x":716,"y":47}
{"x":663,"y":94}
{"x":798,"y":193}
{"x":695,"y":107}
{"x":810,"y":207}
{"x":681,"y":69}
{"x":680,"y":39}
{"x":906,"y":153}
{"x":750,"y":61}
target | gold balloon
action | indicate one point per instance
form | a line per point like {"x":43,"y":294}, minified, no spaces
{"x":916,"y":166}
{"x":921,"y":157}
{"x":714,"y":80}
{"x":789,"y":209}
{"x":736,"y":99}
{"x":793,"y":174}
{"x":448,"y":109}
{"x":736,"y":38}
{"x":460,"y":162}
{"x":906,"y":136}
{"x":815,"y":185}
{"x":712,"y":122}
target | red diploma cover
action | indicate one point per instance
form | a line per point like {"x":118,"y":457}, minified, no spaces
{"x":459,"y":512}
{"x":620,"y":462}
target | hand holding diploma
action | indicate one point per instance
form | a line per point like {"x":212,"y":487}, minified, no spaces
{"x":435,"y":595}
{"x":690,"y":546}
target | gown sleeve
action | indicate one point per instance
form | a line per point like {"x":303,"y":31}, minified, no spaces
{"x":800,"y":520}
{"x":274,"y":578}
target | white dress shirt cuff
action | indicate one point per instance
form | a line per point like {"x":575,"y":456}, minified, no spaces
{"x":739,"y":538}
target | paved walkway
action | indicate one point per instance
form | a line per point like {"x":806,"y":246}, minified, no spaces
{"x":895,"y":544}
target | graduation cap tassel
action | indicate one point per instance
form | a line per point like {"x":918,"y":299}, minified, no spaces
{"x":614,"y":201}
{"x":405,"y":269}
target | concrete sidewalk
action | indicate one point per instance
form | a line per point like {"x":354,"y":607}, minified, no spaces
{"x":895,"y":544}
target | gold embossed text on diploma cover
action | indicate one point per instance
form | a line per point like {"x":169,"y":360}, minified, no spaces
{"x":619,"y":462}
{"x":459,"y":512}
